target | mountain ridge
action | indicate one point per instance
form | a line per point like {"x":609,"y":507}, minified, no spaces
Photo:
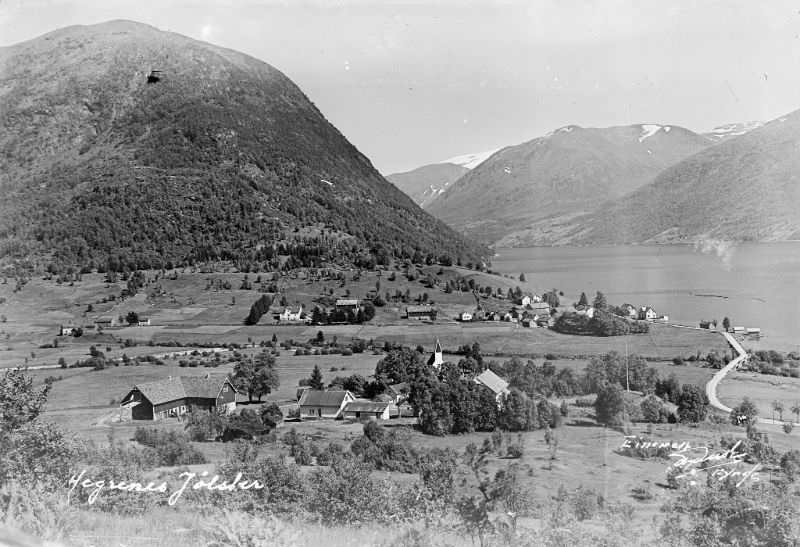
{"x":127,"y":145}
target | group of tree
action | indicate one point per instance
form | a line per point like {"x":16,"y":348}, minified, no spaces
{"x":258,"y":309}
{"x":365,"y":312}
{"x":600,"y":324}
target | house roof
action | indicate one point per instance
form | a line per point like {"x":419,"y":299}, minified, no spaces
{"x":349,"y":302}
{"x":540,"y":306}
{"x":420,"y":309}
{"x":399,"y":388}
{"x":170,"y":389}
{"x":316,"y":397}
{"x":384,"y":398}
{"x":365,"y":406}
{"x":492,"y":381}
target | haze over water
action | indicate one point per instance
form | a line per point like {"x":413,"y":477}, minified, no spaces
{"x":754,"y":284}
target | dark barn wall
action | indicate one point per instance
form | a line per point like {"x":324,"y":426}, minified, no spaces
{"x":142,"y":411}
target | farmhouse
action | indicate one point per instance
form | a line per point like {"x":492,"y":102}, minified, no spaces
{"x":492,"y":381}
{"x":68,"y":330}
{"x":369,"y":409}
{"x":707,"y":325}
{"x":419,"y":312}
{"x":176,"y":396}
{"x":647,"y":313}
{"x":143,"y":322}
{"x":630,"y":311}
{"x":288,"y":315}
{"x":323,"y":404}
{"x":465,"y":316}
{"x":398,"y":392}
{"x":347,"y":305}
{"x":106,"y":322}
{"x":436,"y":360}
{"x":588,"y":312}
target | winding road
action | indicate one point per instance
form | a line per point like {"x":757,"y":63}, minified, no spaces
{"x":711,"y":386}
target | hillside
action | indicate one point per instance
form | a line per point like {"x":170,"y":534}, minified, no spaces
{"x":522,"y":194}
{"x":426,"y":183}
{"x":124,"y":146}
{"x":745,"y":188}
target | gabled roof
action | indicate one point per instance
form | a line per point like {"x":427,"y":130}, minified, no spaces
{"x":349,"y":302}
{"x":492,"y":381}
{"x":171,"y":389}
{"x":399,"y":388}
{"x":365,"y":406}
{"x":420,"y":309}
{"x":316,"y":397}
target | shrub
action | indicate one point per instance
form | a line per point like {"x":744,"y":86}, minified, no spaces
{"x":788,"y":427}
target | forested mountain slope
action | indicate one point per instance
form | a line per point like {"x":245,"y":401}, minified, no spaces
{"x":123,"y":145}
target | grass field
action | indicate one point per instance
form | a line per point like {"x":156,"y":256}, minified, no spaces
{"x":762,"y":389}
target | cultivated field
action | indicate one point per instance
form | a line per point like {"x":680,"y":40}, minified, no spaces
{"x":762,"y":389}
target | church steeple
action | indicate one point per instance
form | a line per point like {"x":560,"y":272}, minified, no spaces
{"x":436,"y":360}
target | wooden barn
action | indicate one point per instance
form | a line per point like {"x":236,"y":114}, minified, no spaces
{"x":176,"y":396}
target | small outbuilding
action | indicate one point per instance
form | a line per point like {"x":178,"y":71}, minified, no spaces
{"x":323,"y":404}
{"x":359,"y":409}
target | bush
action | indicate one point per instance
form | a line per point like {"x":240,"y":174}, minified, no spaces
{"x":172,"y":447}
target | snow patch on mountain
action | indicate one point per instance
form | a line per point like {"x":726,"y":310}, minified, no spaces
{"x":471,"y":161}
{"x":648,"y":130}
{"x":732,"y":130}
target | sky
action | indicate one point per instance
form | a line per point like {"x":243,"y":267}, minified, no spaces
{"x":414,"y":82}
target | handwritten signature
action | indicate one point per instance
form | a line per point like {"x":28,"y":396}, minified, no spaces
{"x":690,"y":459}
{"x":212,"y":485}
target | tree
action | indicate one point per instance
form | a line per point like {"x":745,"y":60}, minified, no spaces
{"x":315,"y":381}
{"x":394,"y":368}
{"x":610,"y":404}
{"x":652,"y":409}
{"x":258,"y":309}
{"x":272,"y":415}
{"x":583,"y":302}
{"x":692,"y":403}
{"x":745,"y":414}
{"x":796,"y":410}
{"x":726,"y":324}
{"x":522,"y":277}
{"x":20,"y":402}
{"x":600,"y":301}
{"x":777,"y":406}
{"x":132,"y":318}
{"x":255,"y":376}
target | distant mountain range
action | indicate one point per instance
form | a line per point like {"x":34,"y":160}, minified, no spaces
{"x":128,"y":147}
{"x":531,"y":188}
{"x":426,"y":183}
{"x":746,"y":188}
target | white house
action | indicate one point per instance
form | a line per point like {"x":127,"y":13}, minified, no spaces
{"x":323,"y":404}
{"x":143,"y":321}
{"x":289,"y":315}
{"x":67,"y":330}
{"x":492,"y":381}
{"x":631,"y":311}
{"x":589,"y":312}
{"x":465,"y":316}
{"x":648,"y":313}
{"x":525,"y":300}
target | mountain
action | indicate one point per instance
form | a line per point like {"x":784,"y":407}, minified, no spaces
{"x":424,"y":184}
{"x":124,"y":146}
{"x":523,"y":194}
{"x":746,"y":188}
{"x":724,"y":132}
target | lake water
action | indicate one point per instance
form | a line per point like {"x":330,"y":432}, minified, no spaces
{"x":754,"y":284}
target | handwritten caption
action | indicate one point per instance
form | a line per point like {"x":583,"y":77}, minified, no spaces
{"x":190,"y":481}
{"x":691,"y":459}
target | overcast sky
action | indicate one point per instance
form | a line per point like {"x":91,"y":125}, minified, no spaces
{"x":413,"y":82}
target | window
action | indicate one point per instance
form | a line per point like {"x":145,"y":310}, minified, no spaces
{"x":225,"y":389}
